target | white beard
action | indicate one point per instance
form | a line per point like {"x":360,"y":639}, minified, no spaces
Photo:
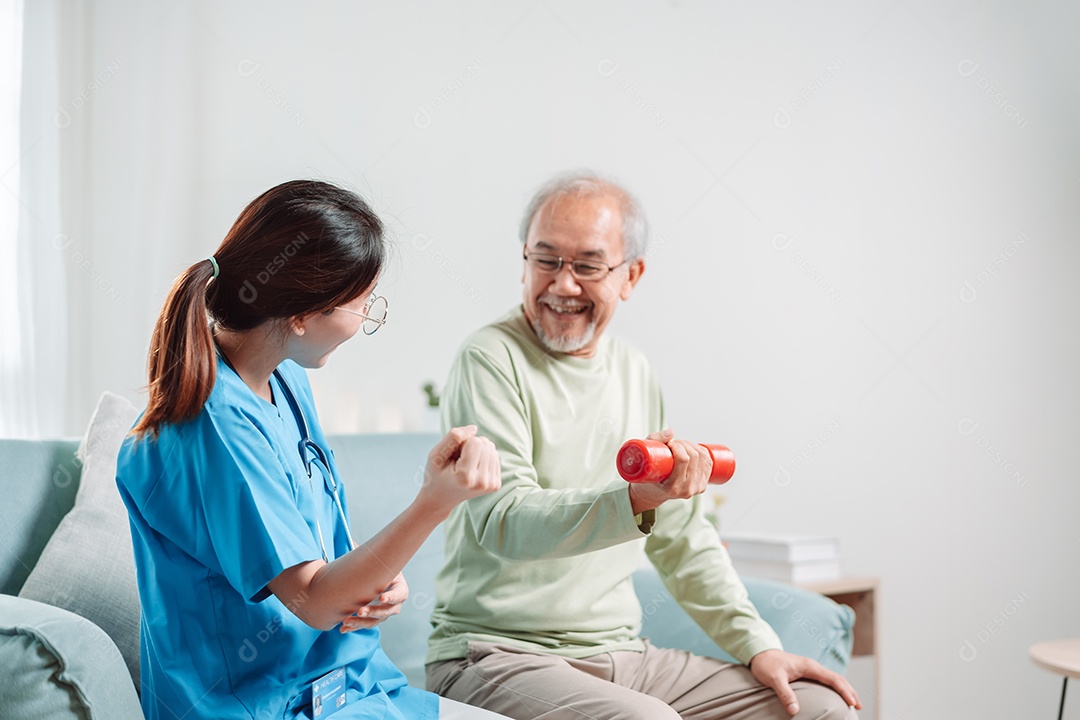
{"x":564,"y":344}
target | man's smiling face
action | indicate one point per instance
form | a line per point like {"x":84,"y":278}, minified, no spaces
{"x":569,"y":315}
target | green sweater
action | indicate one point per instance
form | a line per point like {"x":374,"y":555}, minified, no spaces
{"x":546,"y":562}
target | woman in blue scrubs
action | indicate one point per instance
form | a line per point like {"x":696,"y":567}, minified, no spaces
{"x":255,"y":601}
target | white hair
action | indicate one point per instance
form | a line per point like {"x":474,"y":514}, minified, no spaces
{"x":635,"y":229}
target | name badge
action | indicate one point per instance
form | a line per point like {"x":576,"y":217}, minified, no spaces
{"x":328,"y":693}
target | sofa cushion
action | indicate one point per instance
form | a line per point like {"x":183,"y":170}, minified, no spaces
{"x":59,"y":665}
{"x":39,"y":479}
{"x":88,"y":566}
{"x":809,"y":624}
{"x":381,"y":475}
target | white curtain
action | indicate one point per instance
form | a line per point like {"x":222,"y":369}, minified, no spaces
{"x":11,"y":339}
{"x":34,"y":267}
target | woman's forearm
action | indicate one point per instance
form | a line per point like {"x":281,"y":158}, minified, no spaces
{"x":324,"y":594}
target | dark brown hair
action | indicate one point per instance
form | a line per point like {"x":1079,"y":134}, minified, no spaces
{"x":299,"y":248}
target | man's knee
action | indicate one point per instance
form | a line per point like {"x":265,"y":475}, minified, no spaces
{"x":821,"y":703}
{"x":630,"y":706}
{"x":646,"y":707}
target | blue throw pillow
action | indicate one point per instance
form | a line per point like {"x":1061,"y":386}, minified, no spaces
{"x":808,"y":623}
{"x":57,"y":664}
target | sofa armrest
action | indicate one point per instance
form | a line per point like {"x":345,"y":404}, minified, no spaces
{"x":56,"y":664}
{"x":808,"y":623}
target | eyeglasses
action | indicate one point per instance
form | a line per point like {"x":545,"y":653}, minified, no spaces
{"x":580,"y":269}
{"x":374,"y":314}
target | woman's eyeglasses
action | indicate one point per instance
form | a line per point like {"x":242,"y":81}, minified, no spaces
{"x":374,"y":313}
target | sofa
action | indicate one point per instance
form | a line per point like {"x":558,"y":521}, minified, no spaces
{"x":69,"y":609}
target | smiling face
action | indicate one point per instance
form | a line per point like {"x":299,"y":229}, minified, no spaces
{"x":567,"y":314}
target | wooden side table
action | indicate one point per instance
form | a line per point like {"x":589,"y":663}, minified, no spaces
{"x":1061,"y":657}
{"x":860,"y":594}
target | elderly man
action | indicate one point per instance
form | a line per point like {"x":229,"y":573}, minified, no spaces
{"x":536,"y":613}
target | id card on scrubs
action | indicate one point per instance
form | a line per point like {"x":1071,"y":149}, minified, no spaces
{"x":328,"y":693}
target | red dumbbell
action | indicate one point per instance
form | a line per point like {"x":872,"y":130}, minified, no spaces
{"x":642,"y":461}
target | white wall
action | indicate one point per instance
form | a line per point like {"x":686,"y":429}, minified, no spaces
{"x":863,"y":278}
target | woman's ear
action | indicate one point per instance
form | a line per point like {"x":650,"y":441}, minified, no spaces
{"x":297,"y":324}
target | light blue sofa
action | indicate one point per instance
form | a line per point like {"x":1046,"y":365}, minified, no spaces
{"x":58,"y":664}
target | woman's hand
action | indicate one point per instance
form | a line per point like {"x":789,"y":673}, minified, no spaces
{"x":461,"y":466}
{"x":381,"y":608}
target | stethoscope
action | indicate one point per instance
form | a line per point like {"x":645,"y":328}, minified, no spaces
{"x":317,"y":455}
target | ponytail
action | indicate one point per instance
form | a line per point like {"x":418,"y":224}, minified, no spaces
{"x":182,"y":363}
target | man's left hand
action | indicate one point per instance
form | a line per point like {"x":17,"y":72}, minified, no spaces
{"x":385,"y":606}
{"x":776,"y":669}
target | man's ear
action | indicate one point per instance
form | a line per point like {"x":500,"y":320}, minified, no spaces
{"x":637,"y":269}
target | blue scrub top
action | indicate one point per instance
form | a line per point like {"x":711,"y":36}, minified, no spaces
{"x":219,"y":506}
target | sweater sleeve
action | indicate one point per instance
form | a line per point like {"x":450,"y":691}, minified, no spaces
{"x":526,"y":519}
{"x":697,"y":571}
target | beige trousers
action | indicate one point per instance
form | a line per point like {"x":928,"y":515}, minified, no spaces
{"x":658,"y":684}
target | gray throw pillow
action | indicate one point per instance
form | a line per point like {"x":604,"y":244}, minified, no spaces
{"x":59,"y":665}
{"x":88,"y":566}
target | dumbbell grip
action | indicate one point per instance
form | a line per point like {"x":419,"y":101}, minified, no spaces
{"x":642,"y":461}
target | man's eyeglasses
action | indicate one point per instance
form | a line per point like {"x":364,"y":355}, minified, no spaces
{"x":374,"y":313}
{"x":580,"y":269}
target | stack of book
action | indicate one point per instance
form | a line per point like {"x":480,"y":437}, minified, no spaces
{"x":787,"y":558}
